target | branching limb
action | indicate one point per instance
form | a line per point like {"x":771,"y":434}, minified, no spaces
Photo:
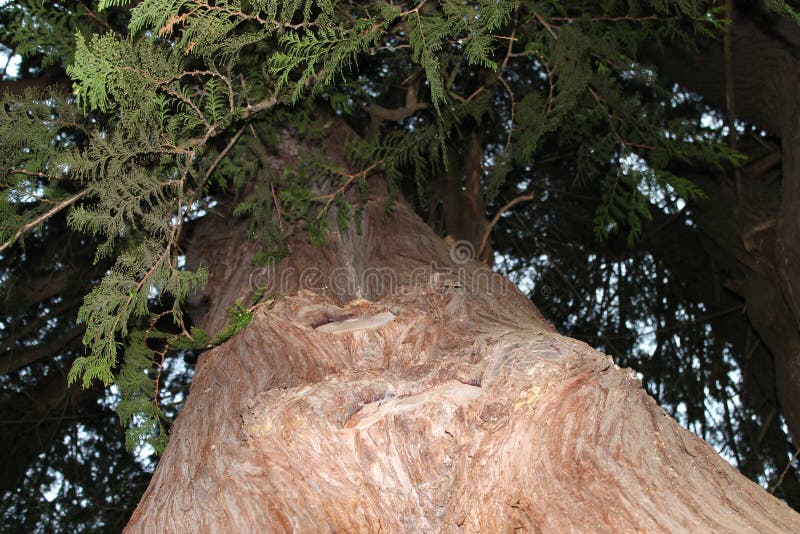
{"x":350,"y":179}
{"x":216,"y":129}
{"x":785,"y":471}
{"x":547,"y":25}
{"x":378,"y":113}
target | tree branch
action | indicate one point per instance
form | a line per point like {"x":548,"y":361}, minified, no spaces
{"x":378,"y":113}
{"x":15,"y":359}
{"x":496,"y":218}
{"x":225,"y":151}
{"x":38,"y":323}
{"x":783,"y":475}
{"x":43,"y":217}
{"x":215,"y":129}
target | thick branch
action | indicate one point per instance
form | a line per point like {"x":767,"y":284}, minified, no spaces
{"x":378,"y":113}
{"x":16,"y":359}
{"x":47,"y":285}
{"x":18,"y":333}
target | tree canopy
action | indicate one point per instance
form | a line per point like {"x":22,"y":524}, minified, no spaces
{"x":127,"y":123}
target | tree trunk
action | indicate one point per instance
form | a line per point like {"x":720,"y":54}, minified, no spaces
{"x":395,"y":386}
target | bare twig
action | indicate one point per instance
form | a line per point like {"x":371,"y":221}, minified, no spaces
{"x":43,"y":217}
{"x":225,"y":151}
{"x":476,"y":92}
{"x":785,"y":471}
{"x":501,"y":75}
{"x":378,"y":113}
{"x":513,"y":109}
{"x":547,"y":25}
{"x":91,"y":14}
{"x":601,"y":102}
{"x":277,"y":206}
{"x":29,"y":173}
{"x":496,"y":218}
{"x":627,"y":18}
{"x":350,"y":179}
{"x":414,"y":10}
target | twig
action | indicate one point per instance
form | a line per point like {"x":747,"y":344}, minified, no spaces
{"x":378,"y":113}
{"x":277,"y":205}
{"x":502,"y":79}
{"x":513,"y":109}
{"x":627,"y":18}
{"x":414,"y":10}
{"x":611,"y":118}
{"x":496,"y":218}
{"x":551,"y":94}
{"x":29,"y":173}
{"x":44,"y":216}
{"x":91,"y":14}
{"x":249,"y":111}
{"x":730,"y":101}
{"x":160,"y":366}
{"x":476,"y":92}
{"x":211,"y":73}
{"x":546,"y":25}
{"x":780,"y":479}
{"x":350,"y":179}
{"x":225,"y":151}
{"x":511,"y":41}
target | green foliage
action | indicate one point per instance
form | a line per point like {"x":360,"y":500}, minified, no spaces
{"x":627,"y":195}
{"x":180,"y":110}
{"x":320,"y":56}
{"x":197,"y":339}
{"x":138,"y":408}
{"x":36,"y":153}
{"x":238,"y":319}
{"x":103,"y":5}
{"x":263,"y":224}
{"x":38,"y":30}
{"x":124,"y":295}
{"x":782,"y":7}
{"x":139,"y":376}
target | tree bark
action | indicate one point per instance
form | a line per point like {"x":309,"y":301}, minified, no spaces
{"x":463,"y":206}
{"x":392,"y":386}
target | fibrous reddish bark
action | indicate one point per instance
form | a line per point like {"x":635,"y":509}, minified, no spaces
{"x":400,"y":388}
